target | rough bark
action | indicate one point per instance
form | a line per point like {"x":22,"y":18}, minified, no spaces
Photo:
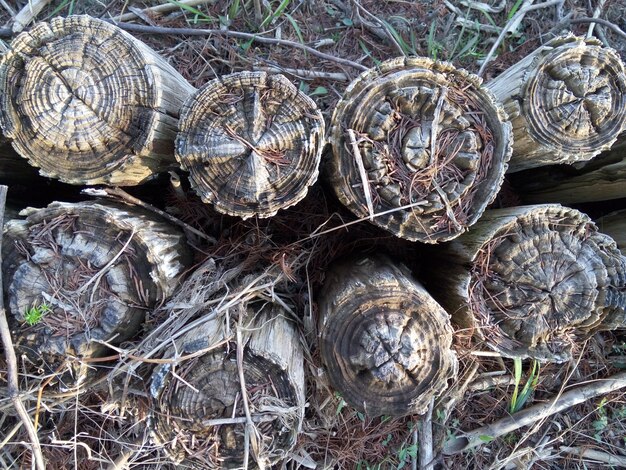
{"x":252,"y":143}
{"x":431,"y":144}
{"x":601,"y":179}
{"x":614,"y":225}
{"x":98,"y":268}
{"x":385,"y":342}
{"x":531,"y":280}
{"x":565,"y":102}
{"x":199,"y":414}
{"x":89,"y":104}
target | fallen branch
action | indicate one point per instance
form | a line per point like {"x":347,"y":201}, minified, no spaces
{"x":11,"y":359}
{"x":136,"y":28}
{"x":160,"y":9}
{"x":583,"y":452}
{"x":426,"y":439}
{"x":612,"y":26}
{"x":533,"y":414}
{"x":28,"y":14}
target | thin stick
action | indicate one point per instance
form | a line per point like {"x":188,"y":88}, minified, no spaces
{"x":359,"y":163}
{"x":250,"y":429}
{"x":136,"y":28}
{"x":535,"y":413}
{"x":163,"y":8}
{"x":613,"y":27}
{"x":28,"y":14}
{"x":124,"y":196}
{"x":426,"y":439}
{"x":596,"y":14}
{"x":11,"y":359}
{"x":514,"y":20}
{"x":305,"y":74}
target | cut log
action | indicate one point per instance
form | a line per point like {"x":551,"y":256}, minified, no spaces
{"x":419,"y":147}
{"x":198,"y":413}
{"x":614,"y":225}
{"x":251,"y":142}
{"x":601,"y":179}
{"x":385,"y":342}
{"x":532,"y":280}
{"x":89,"y":104}
{"x":76,"y":274}
{"x":565,"y":100}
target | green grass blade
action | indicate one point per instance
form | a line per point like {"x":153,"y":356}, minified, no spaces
{"x":517,"y":377}
{"x":190,"y":9}
{"x":514,"y":9}
{"x":233,"y":10}
{"x":268,"y":19}
{"x":296,"y":28}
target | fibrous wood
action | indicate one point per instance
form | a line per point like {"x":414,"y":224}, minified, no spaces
{"x":198,"y":411}
{"x":433,"y":143}
{"x":385,"y":342}
{"x":566,"y":102}
{"x":533,"y":280}
{"x":89,"y":104}
{"x":97,"y":268}
{"x":252,"y":143}
{"x":601,"y":179}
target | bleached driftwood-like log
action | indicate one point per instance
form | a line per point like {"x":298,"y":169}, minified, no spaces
{"x":385,"y":342}
{"x":199,"y":415}
{"x":601,"y":179}
{"x":91,"y":271}
{"x":251,"y":142}
{"x":88,"y":103}
{"x":532,"y":280}
{"x":614,"y":225}
{"x":565,"y":100}
{"x":420,"y":147}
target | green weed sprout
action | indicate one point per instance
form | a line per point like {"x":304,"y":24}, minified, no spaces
{"x":519,"y":399}
{"x":35,"y":314}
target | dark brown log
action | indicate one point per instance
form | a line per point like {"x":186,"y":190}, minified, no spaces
{"x":89,"y":104}
{"x":566,"y":102}
{"x":614,"y":225}
{"x":419,"y":147}
{"x":385,"y":342}
{"x":533,"y":280}
{"x":92,"y":271}
{"x":252,"y":143}
{"x":601,"y":179}
{"x":199,"y":415}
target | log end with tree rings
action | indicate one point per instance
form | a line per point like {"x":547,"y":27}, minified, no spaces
{"x":541,"y":278}
{"x":251,"y":142}
{"x":198,"y":412}
{"x":385,"y":342}
{"x":420,"y":147}
{"x":566,"y":102}
{"x":87,"y":103}
{"x":77,"y":275}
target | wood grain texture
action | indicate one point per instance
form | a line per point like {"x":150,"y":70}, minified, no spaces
{"x":189,"y":397}
{"x":384,"y":340}
{"x":252,"y":143}
{"x":566,"y":102}
{"x":533,"y":280}
{"x":88,"y":103}
{"x":434,"y":143}
{"x":614,"y":225}
{"x":99,"y":268}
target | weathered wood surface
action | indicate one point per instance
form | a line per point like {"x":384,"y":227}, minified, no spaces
{"x":532,"y":280}
{"x":614,"y":225}
{"x":385,"y":342}
{"x":198,"y":413}
{"x":601,"y":179}
{"x":565,"y":100}
{"x":98,"y":267}
{"x":421,"y":142}
{"x":89,"y":104}
{"x":251,"y":142}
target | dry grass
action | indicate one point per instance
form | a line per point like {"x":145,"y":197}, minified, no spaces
{"x":105,"y":427}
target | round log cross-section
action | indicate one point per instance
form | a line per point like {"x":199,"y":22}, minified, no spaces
{"x":77,"y":274}
{"x":88,"y":103}
{"x":251,"y":142}
{"x":199,"y":415}
{"x":566,"y":102}
{"x":539,"y":278}
{"x":420,"y":147}
{"x":385,"y":342}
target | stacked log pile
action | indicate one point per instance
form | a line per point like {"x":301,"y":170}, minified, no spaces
{"x":418,"y":147}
